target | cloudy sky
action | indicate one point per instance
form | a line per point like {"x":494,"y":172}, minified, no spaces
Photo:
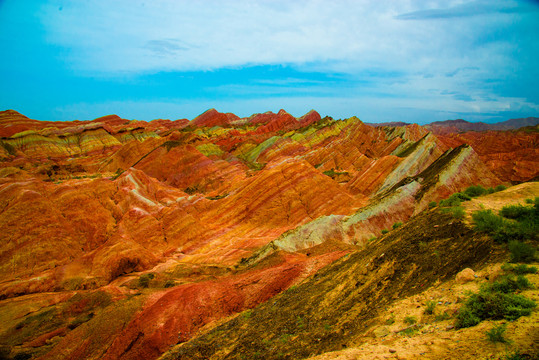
{"x":381,"y":60}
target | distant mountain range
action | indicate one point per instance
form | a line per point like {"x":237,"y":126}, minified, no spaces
{"x":460,"y":125}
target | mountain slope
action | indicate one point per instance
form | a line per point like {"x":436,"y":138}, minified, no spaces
{"x":152,"y":232}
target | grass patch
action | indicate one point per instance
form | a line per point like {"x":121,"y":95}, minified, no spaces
{"x":497,"y":333}
{"x":431,"y":305}
{"x":456,"y":211}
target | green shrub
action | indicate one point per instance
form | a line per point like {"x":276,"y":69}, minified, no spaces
{"x":475,"y":191}
{"x":431,"y":305}
{"x":487,"y":221}
{"x":457,"y":212}
{"x":516,"y":212}
{"x":493,"y":305}
{"x":521,"y":252}
{"x":454,"y":200}
{"x":529,"y":201}
{"x":385,"y":231}
{"x":397,"y":224}
{"x":500,"y":188}
{"x":508,"y":284}
{"x":497,"y":333}
{"x":510,"y":230}
{"x":496,"y":301}
{"x":467,"y":318}
{"x":432,"y":204}
{"x":520,"y":269}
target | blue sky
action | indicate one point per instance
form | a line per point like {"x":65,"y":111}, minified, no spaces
{"x":381,"y":60}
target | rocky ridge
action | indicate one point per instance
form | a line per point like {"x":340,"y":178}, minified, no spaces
{"x":204,"y":218}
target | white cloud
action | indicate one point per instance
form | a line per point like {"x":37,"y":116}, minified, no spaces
{"x":106,"y":36}
{"x":393,"y":55}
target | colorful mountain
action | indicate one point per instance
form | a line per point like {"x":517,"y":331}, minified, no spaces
{"x":122,"y":238}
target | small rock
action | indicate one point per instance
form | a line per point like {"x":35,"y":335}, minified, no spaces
{"x":391,"y":350}
{"x":465,"y":276}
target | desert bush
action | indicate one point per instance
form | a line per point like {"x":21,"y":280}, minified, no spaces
{"x":508,"y":284}
{"x":500,"y":188}
{"x":397,"y":224}
{"x":521,"y":252}
{"x":432,"y":204}
{"x":457,"y":212}
{"x":520,"y":269}
{"x":385,"y":231}
{"x":495,"y":306}
{"x":431,"y":305}
{"x":497,"y":333}
{"x":454,"y":200}
{"x":475,"y":191}
{"x":517,"y":212}
{"x":487,"y":221}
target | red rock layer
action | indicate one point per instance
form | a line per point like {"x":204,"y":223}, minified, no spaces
{"x":512,"y":155}
{"x":97,"y":203}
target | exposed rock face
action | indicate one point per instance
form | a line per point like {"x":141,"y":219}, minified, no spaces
{"x":512,"y":156}
{"x":232,"y":211}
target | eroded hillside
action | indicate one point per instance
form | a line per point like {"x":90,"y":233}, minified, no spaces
{"x":153,"y":232}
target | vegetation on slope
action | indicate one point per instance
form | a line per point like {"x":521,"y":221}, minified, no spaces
{"x":331,"y":309}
